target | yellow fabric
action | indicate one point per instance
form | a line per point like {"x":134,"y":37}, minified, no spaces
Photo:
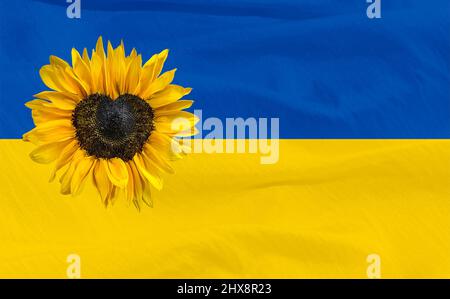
{"x":319,"y":212}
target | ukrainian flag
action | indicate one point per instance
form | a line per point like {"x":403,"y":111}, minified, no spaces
{"x":360,"y":187}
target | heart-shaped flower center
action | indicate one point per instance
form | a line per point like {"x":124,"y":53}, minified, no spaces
{"x":108,"y":128}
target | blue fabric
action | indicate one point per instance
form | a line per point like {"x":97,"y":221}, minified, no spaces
{"x":321,"y":66}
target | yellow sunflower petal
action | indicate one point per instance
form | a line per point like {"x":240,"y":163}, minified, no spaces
{"x":159,"y":64}
{"x":98,"y":73}
{"x":44,"y":107}
{"x":120,"y":50}
{"x":116,"y":69}
{"x":41,"y":116}
{"x":148,"y":171}
{"x":175,"y":123}
{"x":101,"y":180}
{"x":36,"y":104}
{"x":98,"y":67}
{"x":153,"y":67}
{"x":99,"y":49}
{"x":116,"y":193}
{"x":185,"y":146}
{"x":156,"y":159}
{"x":78,"y":85}
{"x":81,"y":70}
{"x":146,"y":195}
{"x":137,"y":205}
{"x":48,"y":76}
{"x":52,"y":131}
{"x":137,"y":180}
{"x":65,"y":157}
{"x":166,"y":146}
{"x":66,"y":178}
{"x":61,"y":100}
{"x":133,"y":74}
{"x":117,"y":172}
{"x":60,"y":79}
{"x":133,"y":54}
{"x":158,"y":61}
{"x":168,"y":95}
{"x":79,"y":175}
{"x":159,"y":84}
{"x":56,"y":61}
{"x":130,"y":185}
{"x":173,"y":108}
{"x":49,"y":152}
{"x":121,"y":70}
{"x":85,"y":57}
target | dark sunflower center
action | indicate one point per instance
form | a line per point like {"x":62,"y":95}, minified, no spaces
{"x":107,"y":128}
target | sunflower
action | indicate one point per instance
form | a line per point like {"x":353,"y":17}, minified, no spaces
{"x":109,"y":119}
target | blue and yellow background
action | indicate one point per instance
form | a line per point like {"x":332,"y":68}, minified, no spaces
{"x":364,"y":109}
